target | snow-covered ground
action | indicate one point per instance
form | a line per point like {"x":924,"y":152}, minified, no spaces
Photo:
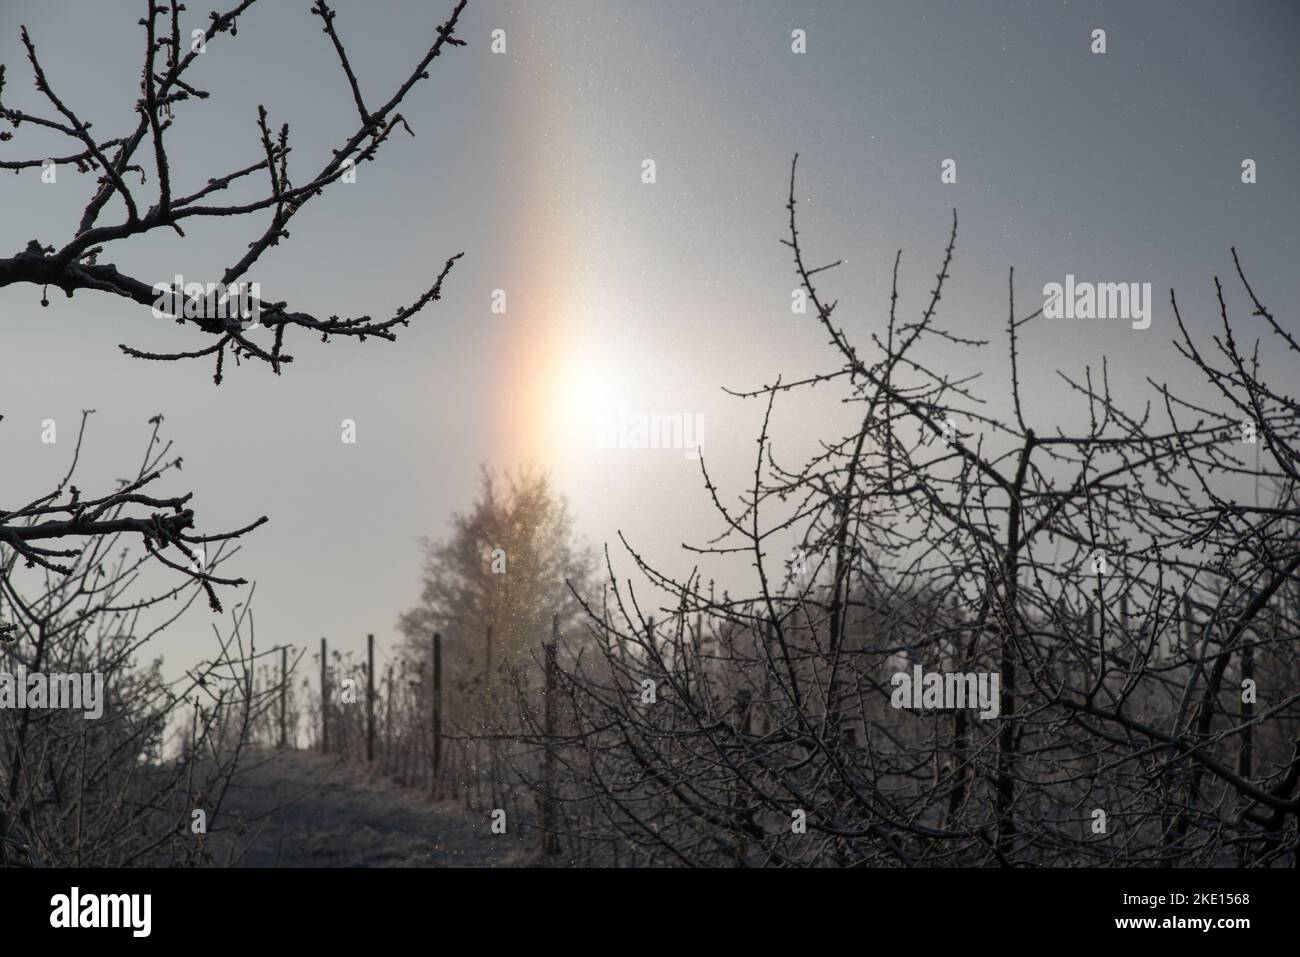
{"x":302,"y":809}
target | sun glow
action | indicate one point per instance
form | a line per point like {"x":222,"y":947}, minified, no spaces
{"x":585,"y":385}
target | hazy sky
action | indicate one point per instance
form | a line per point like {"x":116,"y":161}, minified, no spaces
{"x":1124,"y":166}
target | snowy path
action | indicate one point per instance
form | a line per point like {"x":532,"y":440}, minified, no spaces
{"x":338,"y":814}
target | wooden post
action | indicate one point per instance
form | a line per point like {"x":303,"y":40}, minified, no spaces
{"x":284,"y":690}
{"x":370,"y":698}
{"x":697,"y":636}
{"x":550,"y":819}
{"x":388,"y":716}
{"x":403,"y":762}
{"x":1245,"y":756}
{"x":769,"y":665}
{"x":324,"y":700}
{"x":651,"y":647}
{"x":437,"y":708}
{"x":1246,"y":750}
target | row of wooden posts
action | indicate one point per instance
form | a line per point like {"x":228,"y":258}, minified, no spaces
{"x":550,"y":682}
{"x":549,"y":810}
{"x":370,"y":699}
